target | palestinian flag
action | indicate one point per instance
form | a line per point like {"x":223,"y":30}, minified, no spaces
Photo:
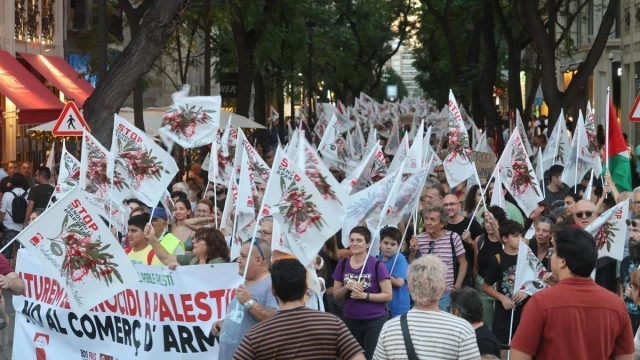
{"x":619,"y":163}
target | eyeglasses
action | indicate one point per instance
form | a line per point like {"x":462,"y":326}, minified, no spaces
{"x":636,"y":203}
{"x":264,"y":233}
{"x":450,"y":204}
{"x":581,"y":214}
{"x":631,"y":223}
{"x":198,"y":238}
{"x":431,"y":246}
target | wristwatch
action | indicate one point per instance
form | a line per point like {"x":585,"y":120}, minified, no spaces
{"x":367,"y":298}
{"x":248,"y":304}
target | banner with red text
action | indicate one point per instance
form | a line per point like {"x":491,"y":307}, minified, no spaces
{"x":166,"y":315}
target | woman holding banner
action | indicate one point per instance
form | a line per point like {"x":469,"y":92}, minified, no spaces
{"x":209,"y":247}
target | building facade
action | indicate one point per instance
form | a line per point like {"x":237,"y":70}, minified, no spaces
{"x":402,"y":63}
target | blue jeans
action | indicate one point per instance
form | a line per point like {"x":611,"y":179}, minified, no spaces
{"x":445,"y":301}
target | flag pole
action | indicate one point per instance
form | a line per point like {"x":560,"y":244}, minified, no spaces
{"x":606,"y":137}
{"x":555,"y":153}
{"x":482,"y":196}
{"x":575,"y":184}
{"x":398,"y":253}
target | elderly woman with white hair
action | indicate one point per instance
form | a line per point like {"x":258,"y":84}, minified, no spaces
{"x":426,"y":332}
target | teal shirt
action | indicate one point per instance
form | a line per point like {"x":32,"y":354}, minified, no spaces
{"x":513,"y":213}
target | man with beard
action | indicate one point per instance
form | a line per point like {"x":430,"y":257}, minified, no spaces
{"x":628,"y":265}
{"x":556,"y":189}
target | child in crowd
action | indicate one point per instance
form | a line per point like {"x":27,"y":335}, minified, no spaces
{"x":501,"y":272}
{"x":140,"y":251}
{"x":390,"y":238}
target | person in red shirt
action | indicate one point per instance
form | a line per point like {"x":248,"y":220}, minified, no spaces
{"x":575,"y":319}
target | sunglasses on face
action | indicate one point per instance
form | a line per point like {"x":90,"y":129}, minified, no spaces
{"x":632,"y":223}
{"x":583,"y":214}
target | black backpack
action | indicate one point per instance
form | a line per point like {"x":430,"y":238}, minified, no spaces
{"x":18,"y":208}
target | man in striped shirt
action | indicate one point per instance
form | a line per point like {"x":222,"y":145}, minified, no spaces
{"x":297,"y":332}
{"x":445,"y":244}
{"x":429,"y":332}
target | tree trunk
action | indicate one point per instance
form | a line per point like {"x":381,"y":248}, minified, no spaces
{"x":488,"y":78}
{"x":207,"y":48}
{"x":138,"y":105}
{"x":515,"y":65}
{"x":245,"y":73}
{"x":535,"y":82}
{"x":132,"y":64}
{"x":259,"y":104}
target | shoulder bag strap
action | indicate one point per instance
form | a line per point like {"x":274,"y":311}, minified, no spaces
{"x":454,"y":258}
{"x":411,"y":351}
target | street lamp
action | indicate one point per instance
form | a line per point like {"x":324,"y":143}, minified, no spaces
{"x":311,"y":30}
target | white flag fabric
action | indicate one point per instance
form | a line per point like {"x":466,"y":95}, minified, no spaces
{"x":518,"y":176}
{"x":497,"y":197}
{"x":227,"y":154}
{"x":191,"y":121}
{"x":482,"y":145}
{"x":213,"y":161}
{"x":590,"y":127}
{"x":578,"y":161}
{"x":558,"y":145}
{"x":292,"y":146}
{"x":362,"y":205}
{"x":589,"y":189}
{"x":51,"y":158}
{"x":229,"y":212}
{"x":529,"y":271}
{"x":319,"y":174}
{"x":69,"y":174}
{"x":458,"y":165}
{"x":333,"y":147}
{"x":414,"y":156}
{"x":609,"y":231}
{"x":259,"y":168}
{"x":394,"y":139}
{"x":307,"y":219}
{"x":80,"y":252}
{"x":168,"y":204}
{"x":401,"y":154}
{"x":140,"y":166}
{"x":406,"y":198}
{"x":246,"y":201}
{"x":358,"y":139}
{"x":372,"y":168}
{"x":523,"y":133}
{"x":273,"y":118}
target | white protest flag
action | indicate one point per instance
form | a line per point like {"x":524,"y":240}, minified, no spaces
{"x":78,"y":249}
{"x":393,"y":143}
{"x":229,"y":211}
{"x":497,"y":197}
{"x":406,"y":199}
{"x":167,"y":203}
{"x":273,"y":117}
{"x":306,"y":217}
{"x":350,"y":149}
{"x":319,"y":174}
{"x":609,"y":231}
{"x":517,"y":175}
{"x":213,"y":161}
{"x":227,"y":155}
{"x":482,"y":145}
{"x":401,"y":154}
{"x":366,"y":203}
{"x":372,"y":139}
{"x":93,"y":167}
{"x":589,"y":189}
{"x":529,"y":271}
{"x":141,"y":166}
{"x":191,"y":121}
{"x":292,"y":146}
{"x":523,"y":133}
{"x":69,"y":174}
{"x":426,"y":146}
{"x":593,"y":152}
{"x":246,"y":211}
{"x":468,"y":122}
{"x":289,"y":130}
{"x":371,"y":169}
{"x":414,"y":156}
{"x":260,"y":170}
{"x":558,"y":145}
{"x":458,"y":165}
{"x":578,"y":160}
{"x":333,"y":147}
{"x":358,"y":139}
{"x":51,"y":158}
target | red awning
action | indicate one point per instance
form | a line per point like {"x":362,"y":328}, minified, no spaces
{"x":56,"y":70}
{"x":36,"y":103}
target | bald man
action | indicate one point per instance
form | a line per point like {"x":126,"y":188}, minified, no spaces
{"x":584,"y":213}
{"x":459,"y":224}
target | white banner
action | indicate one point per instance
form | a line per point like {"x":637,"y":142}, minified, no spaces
{"x":166,"y":315}
{"x":79,"y":251}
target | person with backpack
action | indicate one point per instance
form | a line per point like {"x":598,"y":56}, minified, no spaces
{"x":13,"y":212}
{"x":364,"y":283}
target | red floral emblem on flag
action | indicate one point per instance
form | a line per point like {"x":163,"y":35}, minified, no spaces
{"x":605,"y":235}
{"x":298,"y":211}
{"x":522,"y":177}
{"x":183,"y":119}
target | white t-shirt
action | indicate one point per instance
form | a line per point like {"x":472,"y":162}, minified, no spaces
{"x":7,"y":200}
